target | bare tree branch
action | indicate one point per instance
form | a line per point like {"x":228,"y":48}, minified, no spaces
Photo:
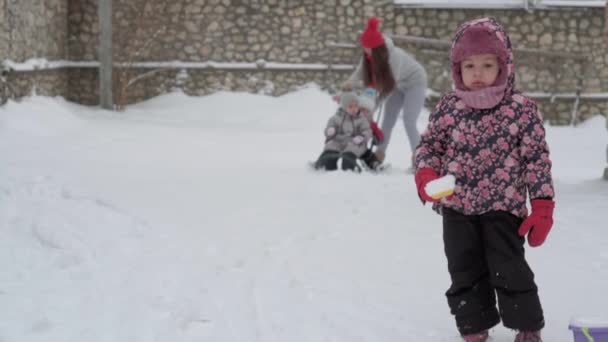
{"x":132,"y":43}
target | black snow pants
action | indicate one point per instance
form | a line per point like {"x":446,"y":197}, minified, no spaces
{"x":328,"y":160}
{"x":486,"y":262}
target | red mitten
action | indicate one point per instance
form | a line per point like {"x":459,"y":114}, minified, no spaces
{"x":378,"y":134}
{"x":423,"y":177}
{"x":539,"y":223}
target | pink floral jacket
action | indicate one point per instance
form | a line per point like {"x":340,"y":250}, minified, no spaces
{"x":498,"y":155}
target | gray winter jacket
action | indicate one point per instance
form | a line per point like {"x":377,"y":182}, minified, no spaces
{"x":406,"y":70}
{"x":347,"y":127}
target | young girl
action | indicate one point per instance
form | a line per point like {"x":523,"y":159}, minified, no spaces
{"x":491,"y":139}
{"x":367,"y":106}
{"x":346,"y":136}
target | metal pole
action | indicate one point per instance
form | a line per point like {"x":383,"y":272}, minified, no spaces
{"x":105,"y":54}
{"x":606,"y":34}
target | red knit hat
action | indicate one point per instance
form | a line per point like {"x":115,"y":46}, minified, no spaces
{"x":371,"y":37}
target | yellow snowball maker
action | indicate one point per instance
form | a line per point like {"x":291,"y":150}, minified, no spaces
{"x":441,"y":187}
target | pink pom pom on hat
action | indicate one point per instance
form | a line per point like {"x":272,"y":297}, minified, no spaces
{"x":371,"y":37}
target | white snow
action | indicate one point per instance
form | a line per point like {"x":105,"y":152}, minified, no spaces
{"x":440,"y":185}
{"x":42,"y":63}
{"x":198,"y":219}
{"x":589,"y":322}
{"x":572,"y":3}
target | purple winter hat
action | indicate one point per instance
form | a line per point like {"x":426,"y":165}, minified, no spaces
{"x":478,"y":40}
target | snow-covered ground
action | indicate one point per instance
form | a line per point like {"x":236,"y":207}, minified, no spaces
{"x":197,"y":219}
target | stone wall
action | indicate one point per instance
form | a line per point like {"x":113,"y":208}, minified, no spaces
{"x":577,"y":31}
{"x":34,"y":29}
{"x":297,"y":32}
{"x":224,"y":30}
{"x":49,"y":82}
{"x":5,"y":41}
{"x":202,"y":82}
{"x":83,"y":86}
{"x":83,"y":30}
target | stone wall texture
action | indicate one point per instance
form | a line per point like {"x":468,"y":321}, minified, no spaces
{"x":577,"y":31}
{"x":34,"y":29}
{"x":295,"y":32}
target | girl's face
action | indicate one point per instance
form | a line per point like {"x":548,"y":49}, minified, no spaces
{"x":352,"y":107}
{"x":479,"y":71}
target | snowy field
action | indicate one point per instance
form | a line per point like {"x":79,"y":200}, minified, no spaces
{"x":197,"y":219}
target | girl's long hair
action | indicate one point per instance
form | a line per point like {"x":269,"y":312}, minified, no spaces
{"x":381,"y":71}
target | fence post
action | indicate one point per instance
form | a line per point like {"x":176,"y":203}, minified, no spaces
{"x":105,"y":54}
{"x":606,"y":168}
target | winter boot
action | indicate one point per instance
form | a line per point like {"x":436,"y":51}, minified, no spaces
{"x":478,"y":337}
{"x":380,"y":155}
{"x":369,"y":158}
{"x":349,"y":162}
{"x":328,"y":160}
{"x":412,"y":168}
{"x":528,"y":336}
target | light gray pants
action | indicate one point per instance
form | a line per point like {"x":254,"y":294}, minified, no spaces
{"x":409,"y":101}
